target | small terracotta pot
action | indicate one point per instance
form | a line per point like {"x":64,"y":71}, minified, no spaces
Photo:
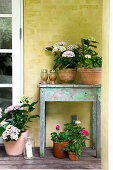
{"x":15,"y":148}
{"x":72,"y":156}
{"x":58,"y":152}
{"x":67,"y":75}
{"x":90,"y":76}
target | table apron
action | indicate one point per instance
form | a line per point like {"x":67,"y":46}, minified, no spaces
{"x":70,"y":94}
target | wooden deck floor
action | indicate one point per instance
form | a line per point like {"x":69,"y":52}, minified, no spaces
{"x":87,"y":161}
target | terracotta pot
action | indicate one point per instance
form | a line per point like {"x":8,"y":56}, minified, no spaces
{"x":90,"y":76}
{"x":58,"y":152}
{"x":15,"y":148}
{"x":67,"y":75}
{"x":72,"y":156}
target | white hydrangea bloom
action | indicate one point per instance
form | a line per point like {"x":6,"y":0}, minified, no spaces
{"x":73,"y":46}
{"x":87,"y":56}
{"x":59,"y":44}
{"x":68,"y":54}
{"x":25,"y":98}
{"x":55,"y":49}
{"x":59,"y":48}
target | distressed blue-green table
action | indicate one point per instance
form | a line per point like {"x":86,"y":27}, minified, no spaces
{"x":71,"y":92}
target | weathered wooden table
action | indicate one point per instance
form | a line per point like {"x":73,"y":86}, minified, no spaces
{"x":71,"y":92}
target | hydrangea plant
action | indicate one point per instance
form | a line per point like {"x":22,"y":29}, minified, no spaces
{"x":14,"y":119}
{"x":66,"y":56}
{"x":88,"y":56}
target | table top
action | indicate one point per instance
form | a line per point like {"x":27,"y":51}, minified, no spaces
{"x":67,"y":86}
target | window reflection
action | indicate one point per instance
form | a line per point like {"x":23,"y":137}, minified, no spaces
{"x":5,"y":6}
{"x":5,"y":97}
{"x":5,"y":33}
{"x":5,"y":68}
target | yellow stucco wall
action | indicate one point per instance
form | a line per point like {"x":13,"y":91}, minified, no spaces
{"x":47,"y":22}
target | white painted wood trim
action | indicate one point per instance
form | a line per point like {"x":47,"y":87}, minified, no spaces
{"x":22,"y":47}
{"x":6,"y":85}
{"x":5,"y":15}
{"x":110,"y":134}
{"x":17,"y":56}
{"x":5,"y":50}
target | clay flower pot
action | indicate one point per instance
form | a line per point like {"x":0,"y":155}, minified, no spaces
{"x":15,"y":148}
{"x":90,"y":76}
{"x":72,"y":156}
{"x":58,"y":152}
{"x":67,"y":75}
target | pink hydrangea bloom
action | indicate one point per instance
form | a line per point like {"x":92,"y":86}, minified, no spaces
{"x":11,"y":108}
{"x":57,"y":127}
{"x":77,"y":122}
{"x":12,"y":132}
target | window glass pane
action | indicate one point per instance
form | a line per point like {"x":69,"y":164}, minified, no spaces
{"x":5,"y":97}
{"x":5,"y":68}
{"x":5,"y":33}
{"x":5,"y":6}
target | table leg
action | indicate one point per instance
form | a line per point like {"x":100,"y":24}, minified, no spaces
{"x":94,"y":110}
{"x":42,"y":122}
{"x":98,"y":128}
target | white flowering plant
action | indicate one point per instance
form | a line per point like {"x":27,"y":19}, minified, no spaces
{"x":14,"y":119}
{"x":88,"y":57}
{"x":66,"y":56}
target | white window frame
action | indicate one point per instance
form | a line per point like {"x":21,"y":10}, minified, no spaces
{"x":17,"y":50}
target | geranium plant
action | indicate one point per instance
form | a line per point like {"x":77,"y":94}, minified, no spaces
{"x":88,"y":56}
{"x":76,"y":135}
{"x":59,"y":136}
{"x":14,"y":119}
{"x":66,"y":56}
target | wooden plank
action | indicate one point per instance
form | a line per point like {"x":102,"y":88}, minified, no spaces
{"x":87,"y":161}
{"x":70,"y":94}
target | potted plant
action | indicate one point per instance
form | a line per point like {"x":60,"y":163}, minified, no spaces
{"x":66,"y":58}
{"x":59,"y":142}
{"x":89,"y":62}
{"x":76,"y":136}
{"x":13,"y":125}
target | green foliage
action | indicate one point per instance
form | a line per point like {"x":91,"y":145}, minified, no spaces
{"x":74,"y":147}
{"x":61,"y":137}
{"x":88,"y":48}
{"x":72,"y":132}
{"x":18,"y":117}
